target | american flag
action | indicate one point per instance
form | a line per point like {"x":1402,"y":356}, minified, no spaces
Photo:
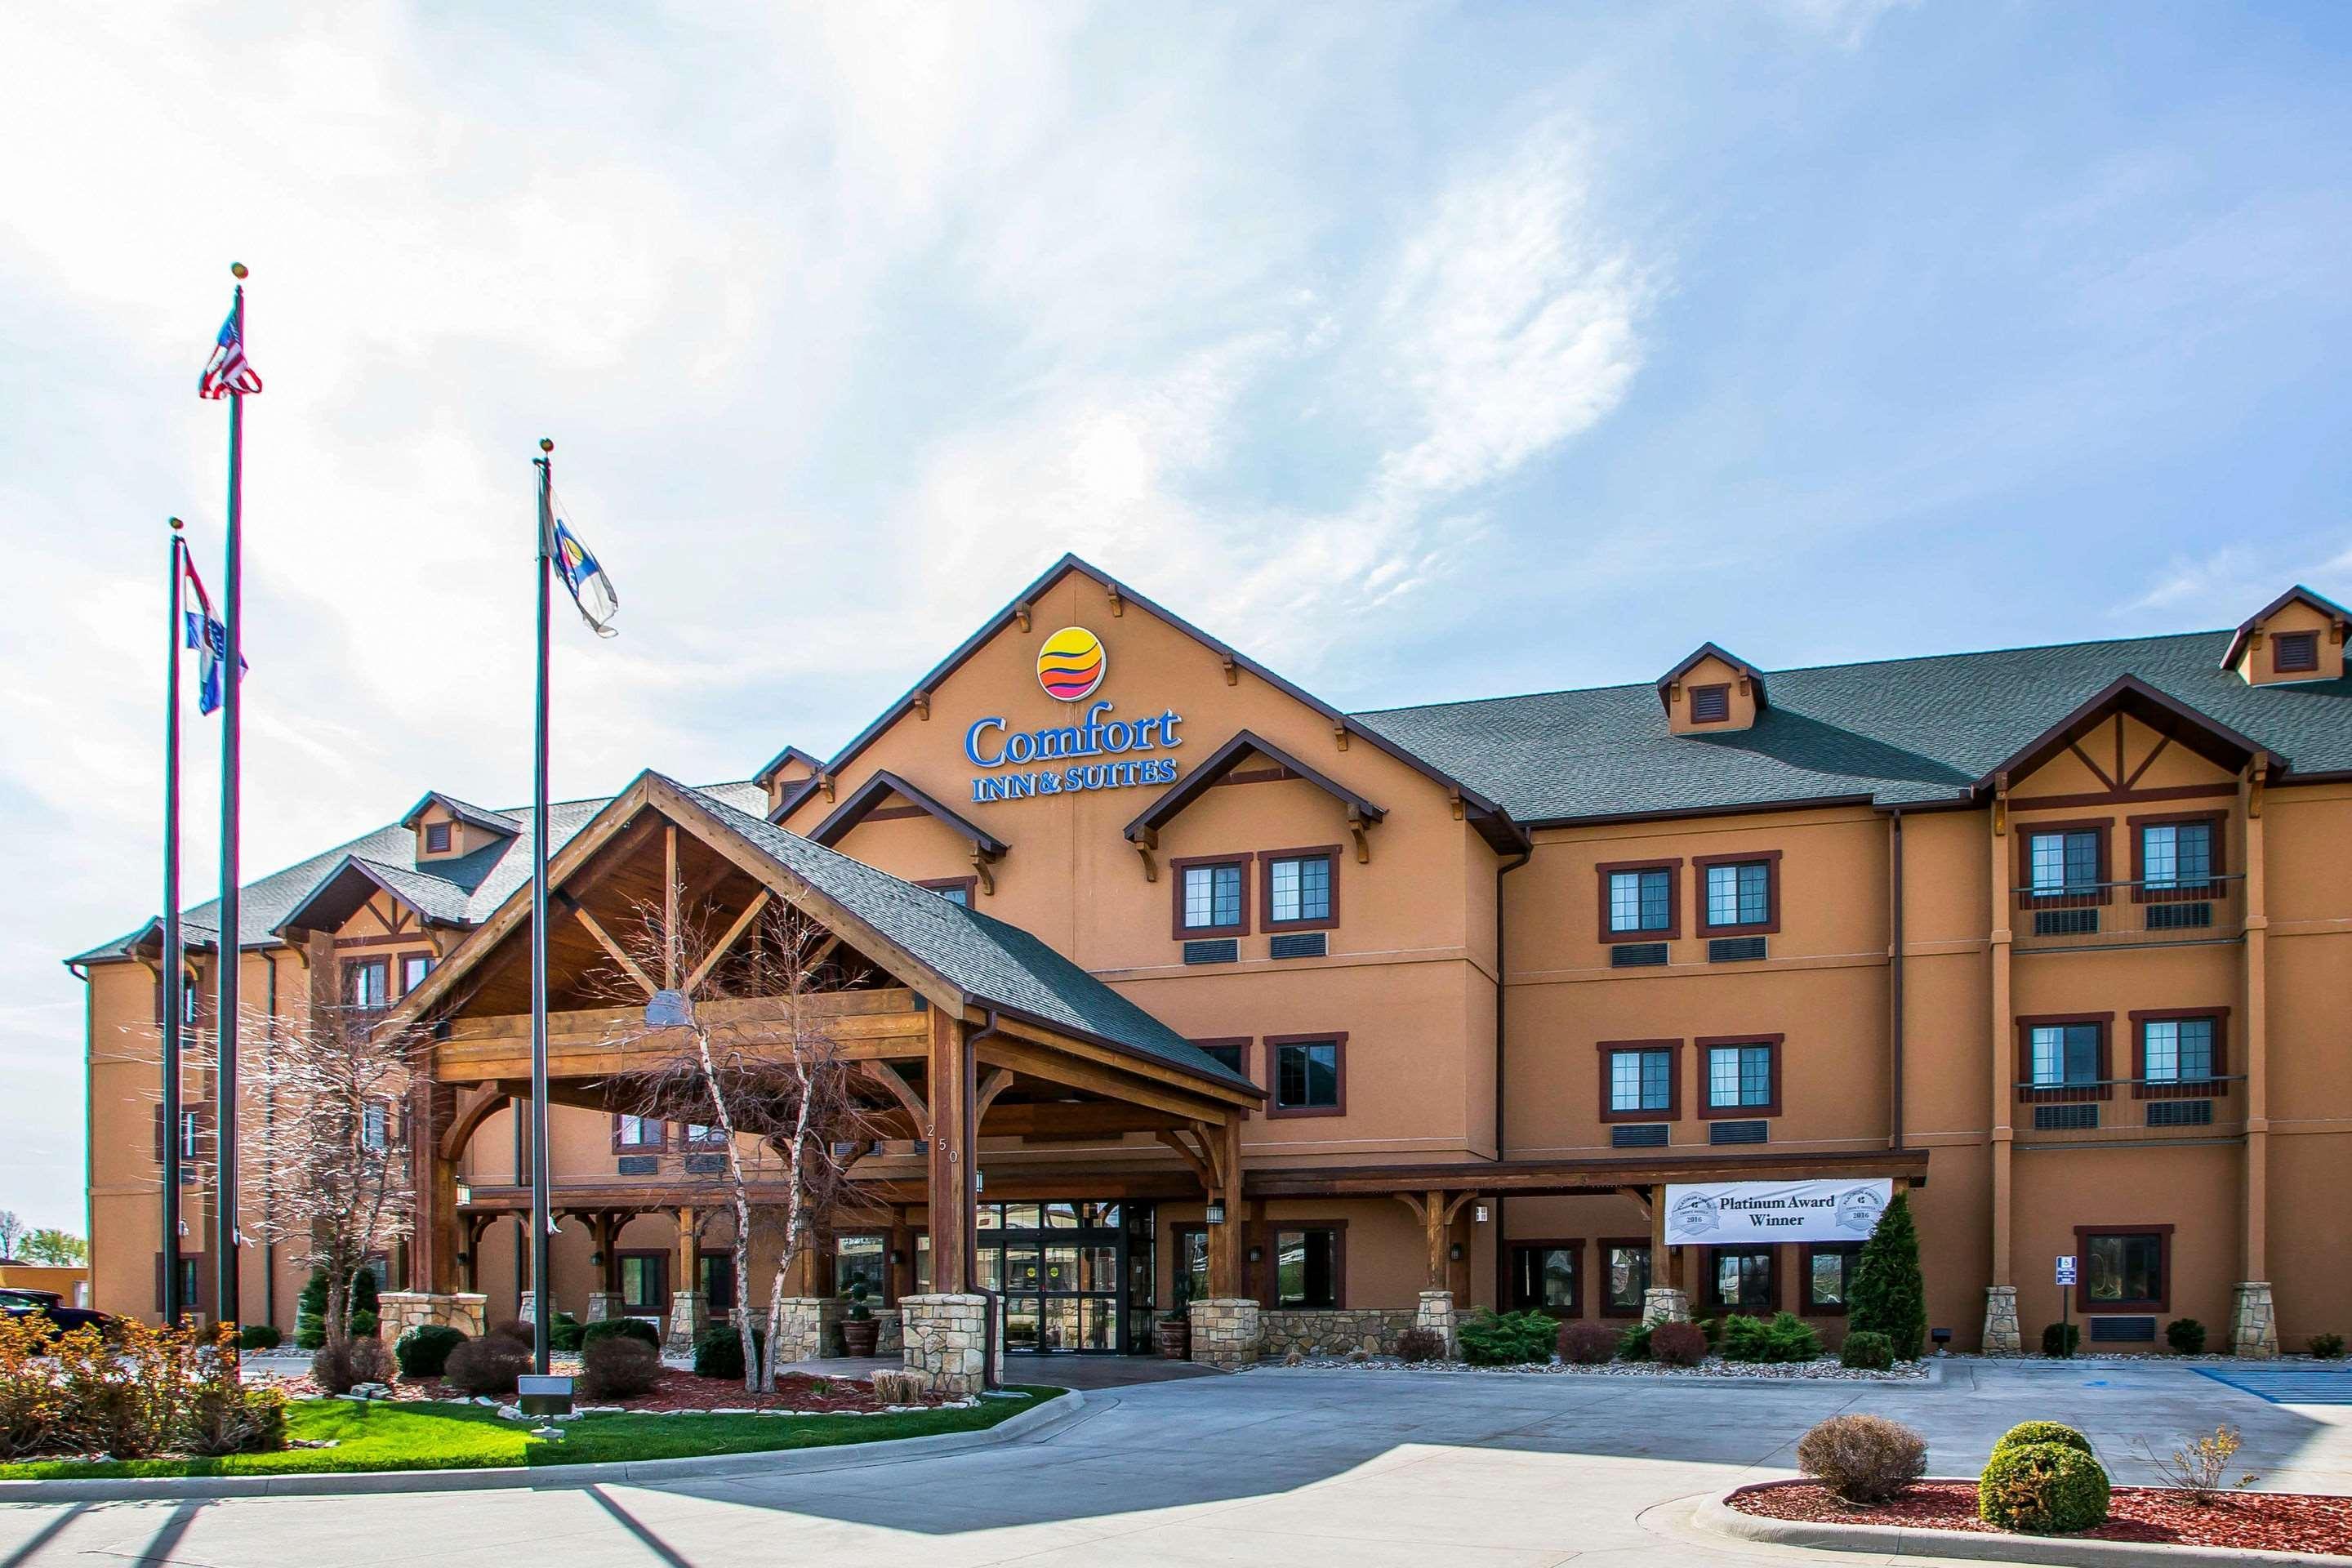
{"x":227,"y":371}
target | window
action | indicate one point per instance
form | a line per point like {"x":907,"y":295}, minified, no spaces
{"x":2291,"y":652}
{"x":645,"y":1285}
{"x":697,"y":1134}
{"x":1212,"y":898}
{"x":437,"y":838}
{"x":1828,"y":1272}
{"x":2064,"y":1059}
{"x":862,"y":1260}
{"x":1299,"y":888}
{"x":1743,"y":1077}
{"x":1739,"y":894}
{"x":414,"y":968}
{"x":366,"y":984}
{"x":2068,"y":863}
{"x":1637,"y":1080}
{"x":192,"y":1003}
{"x":2176,"y":858}
{"x":2123,"y":1268}
{"x":1637,"y":900}
{"x":2181,"y":1053}
{"x":1307,"y":1266}
{"x":1625,"y":1278}
{"x":1232,"y":1054}
{"x":191,"y":1124}
{"x":638,"y":1132}
{"x":1710,"y":704}
{"x":1307,"y":1075}
{"x":954,"y":890}
{"x":190,"y":1301}
{"x":375,"y":1125}
{"x":1740,"y":1279}
{"x":1193,"y":1262}
{"x":716,"y":1271}
{"x":1545,"y":1278}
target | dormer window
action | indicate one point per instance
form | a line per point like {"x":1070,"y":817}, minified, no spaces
{"x":1711,"y":704}
{"x":437,"y":837}
{"x":2297,"y":636}
{"x":1712,"y":691}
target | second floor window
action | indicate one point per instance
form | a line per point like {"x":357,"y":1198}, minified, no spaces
{"x":1299,"y":890}
{"x":696,"y":1132}
{"x":191,"y":1125}
{"x":1641,"y":1080}
{"x":1641,"y":901}
{"x":1740,"y":1078}
{"x":1212,"y":897}
{"x":1739,"y":894}
{"x":637,"y":1133}
{"x":375,"y":1126}
{"x":1232,"y":1054}
{"x":2064,"y":1055}
{"x":367,"y":983}
{"x":1307,"y":1075}
{"x":2175,"y":854}
{"x":2061,"y":863}
{"x":414,"y":968}
{"x":2176,"y":1050}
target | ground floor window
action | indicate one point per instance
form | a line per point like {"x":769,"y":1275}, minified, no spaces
{"x":1739,"y":1278}
{"x":644,"y":1283}
{"x":717,"y":1279}
{"x":861,"y":1259}
{"x":922,"y":1263}
{"x":2125,"y":1268}
{"x":1307,"y":1266}
{"x":1828,"y":1274}
{"x":1625,"y":1274}
{"x":1193,"y":1262}
{"x":1545,"y":1278}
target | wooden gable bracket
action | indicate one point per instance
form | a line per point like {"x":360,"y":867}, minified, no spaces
{"x":1117,"y":599}
{"x":923,"y":706}
{"x":719,"y":949}
{"x":1358,"y":827}
{"x":1021,"y":614}
{"x":2258,"y":773}
{"x":1145,"y":842}
{"x":2000,"y":805}
{"x":612,"y":948}
{"x":1340,"y":732}
{"x":1234,"y":671}
{"x":980,"y":862}
{"x":826,"y":782}
{"x":1454,"y":798}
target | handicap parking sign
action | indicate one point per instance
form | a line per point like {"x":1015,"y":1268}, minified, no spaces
{"x":2066,"y":1269}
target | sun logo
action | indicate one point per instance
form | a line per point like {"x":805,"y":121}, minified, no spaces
{"x":1071,"y":664}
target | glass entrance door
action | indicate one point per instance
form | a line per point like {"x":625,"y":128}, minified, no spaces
{"x":1058,"y":1267}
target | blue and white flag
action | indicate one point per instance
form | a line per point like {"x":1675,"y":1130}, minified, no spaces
{"x":209,"y":637}
{"x":592,"y":591}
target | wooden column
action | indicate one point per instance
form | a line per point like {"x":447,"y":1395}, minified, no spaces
{"x":607,"y":1235}
{"x":689,"y":1262}
{"x":437,"y":1238}
{"x":899,"y":1278}
{"x":1224,"y":1144}
{"x":1432,"y":1225}
{"x":954,"y":1213}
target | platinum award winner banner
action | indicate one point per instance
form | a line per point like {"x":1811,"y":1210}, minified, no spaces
{"x":1726,"y":1214}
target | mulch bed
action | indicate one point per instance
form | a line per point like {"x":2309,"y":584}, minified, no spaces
{"x":677,"y":1391}
{"x":2246,"y":1521}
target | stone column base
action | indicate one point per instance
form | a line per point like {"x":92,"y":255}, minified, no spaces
{"x":1664,"y":1304}
{"x":397,"y":1311}
{"x":689,"y":1314}
{"x":800,"y":1332}
{"x":527,"y":1307}
{"x":1436,"y":1314}
{"x":1224,"y":1332}
{"x":947,"y":1348}
{"x":604,"y":1304}
{"x":2001,"y":1335}
{"x":2253,"y":1326}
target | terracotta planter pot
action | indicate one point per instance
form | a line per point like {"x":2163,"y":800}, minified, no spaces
{"x":1174,"y":1336}
{"x":858,"y":1335}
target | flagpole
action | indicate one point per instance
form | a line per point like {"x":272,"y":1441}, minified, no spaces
{"x":174,"y":977}
{"x":230,"y":951}
{"x":541,"y":1293}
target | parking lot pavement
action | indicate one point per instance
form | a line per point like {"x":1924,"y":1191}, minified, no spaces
{"x":1348,"y":1469}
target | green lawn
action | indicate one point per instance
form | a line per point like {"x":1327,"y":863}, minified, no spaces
{"x":429,"y":1436}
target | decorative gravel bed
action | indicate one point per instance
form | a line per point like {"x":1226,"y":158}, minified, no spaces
{"x":2244,"y":1521}
{"x":1715,"y":1368}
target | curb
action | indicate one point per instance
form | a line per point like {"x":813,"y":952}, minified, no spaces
{"x":1715,"y":1516}
{"x":1934,"y":1379}
{"x":547,"y":1478}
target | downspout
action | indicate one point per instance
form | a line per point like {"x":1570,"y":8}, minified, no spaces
{"x":970,"y":1142}
{"x":1502,"y":1123}
{"x":269,"y":1122}
{"x":1895,"y":982}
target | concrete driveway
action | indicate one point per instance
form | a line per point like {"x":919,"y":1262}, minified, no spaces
{"x":1308,"y":1469}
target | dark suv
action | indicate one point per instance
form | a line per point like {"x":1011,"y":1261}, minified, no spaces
{"x":18,"y":1302}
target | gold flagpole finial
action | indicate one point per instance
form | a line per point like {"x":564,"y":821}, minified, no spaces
{"x":545,"y":444}
{"x":236,"y":270}
{"x":177,"y":525}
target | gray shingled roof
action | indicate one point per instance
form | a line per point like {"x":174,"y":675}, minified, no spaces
{"x":986,"y":959}
{"x":1898,"y":732}
{"x":463,"y":889}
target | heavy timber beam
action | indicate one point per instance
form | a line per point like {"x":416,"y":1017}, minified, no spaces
{"x":1053,"y":1066}
{"x":603,"y":1023}
{"x":475,"y":1106}
{"x":725,"y":943}
{"x":1091,"y":1118}
{"x":1566,"y":1177}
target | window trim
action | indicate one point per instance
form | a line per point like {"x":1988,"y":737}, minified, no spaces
{"x":353,"y":967}
{"x":1601,"y":1247}
{"x":1711,"y":1279}
{"x":1771,"y":924}
{"x":1672,"y":930}
{"x":970,"y":885}
{"x":1571,"y":1244}
{"x":2162,"y":1300}
{"x":1674,"y":1111}
{"x":1240,"y":1042}
{"x":1805,"y":1251}
{"x":2102,"y":827}
{"x":1265,"y":859}
{"x":1338,"y":1040}
{"x":1710,"y":1112}
{"x":659,"y":1128}
{"x":1721,"y":687}
{"x":2063,"y":1094}
{"x":1263,"y":1234}
{"x":2279,"y":665}
{"x":2194,"y":892}
{"x":1177,"y":930}
{"x":2188,"y":1087}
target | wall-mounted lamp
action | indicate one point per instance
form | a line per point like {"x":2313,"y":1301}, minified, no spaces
{"x":595,"y":1260}
{"x":464,"y":1195}
{"x":1257,"y":1255}
{"x":1454,"y":1252}
{"x":897,"y":1258}
{"x":1216,"y":1213}
{"x":1943,"y":1338}
{"x":464,"y":1258}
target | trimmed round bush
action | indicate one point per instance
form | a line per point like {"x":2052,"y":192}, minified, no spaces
{"x":636,"y":1329}
{"x":1863,"y":1458}
{"x":618,"y":1366}
{"x":563,"y":1331}
{"x":514,"y":1332}
{"x":1584,"y":1343}
{"x":489,"y":1365}
{"x":720,"y":1352}
{"x":2326,"y":1347}
{"x":2185,"y":1336}
{"x":425,"y":1350}
{"x":2062,"y":1339}
{"x":2043,"y":1489}
{"x":259,"y":1337}
{"x":2030,"y":1432}
{"x":1678,"y":1345}
{"x":1866,"y":1351}
{"x":1418,"y":1344}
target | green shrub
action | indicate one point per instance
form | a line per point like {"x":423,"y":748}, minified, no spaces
{"x":362,"y":1298}
{"x":365,"y":1325}
{"x":636,"y":1329}
{"x":563,"y":1331}
{"x":1888,"y":1296}
{"x":423,"y":1350}
{"x":2185,"y":1336}
{"x":310,"y":1313}
{"x":1863,"y":1458}
{"x":720,"y":1352}
{"x":486,"y":1367}
{"x":1788,"y":1338}
{"x":1865,"y":1349}
{"x":1507,"y":1339}
{"x":2062,"y":1339}
{"x":1633,"y":1344}
{"x":2026,"y":1432}
{"x":618,"y":1366}
{"x":1678,"y":1345}
{"x":1584,"y":1343}
{"x":1712,"y":1328}
{"x":1745,"y":1338}
{"x":1418,"y":1344}
{"x":2043,"y":1489}
{"x":259,"y":1337}
{"x":2326,"y":1347}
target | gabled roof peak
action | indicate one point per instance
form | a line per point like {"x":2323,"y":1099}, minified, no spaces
{"x":2298,"y":594}
{"x":487,"y":820}
{"x":1700,"y":655}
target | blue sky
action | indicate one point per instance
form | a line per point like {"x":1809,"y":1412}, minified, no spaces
{"x":1427,"y":352}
